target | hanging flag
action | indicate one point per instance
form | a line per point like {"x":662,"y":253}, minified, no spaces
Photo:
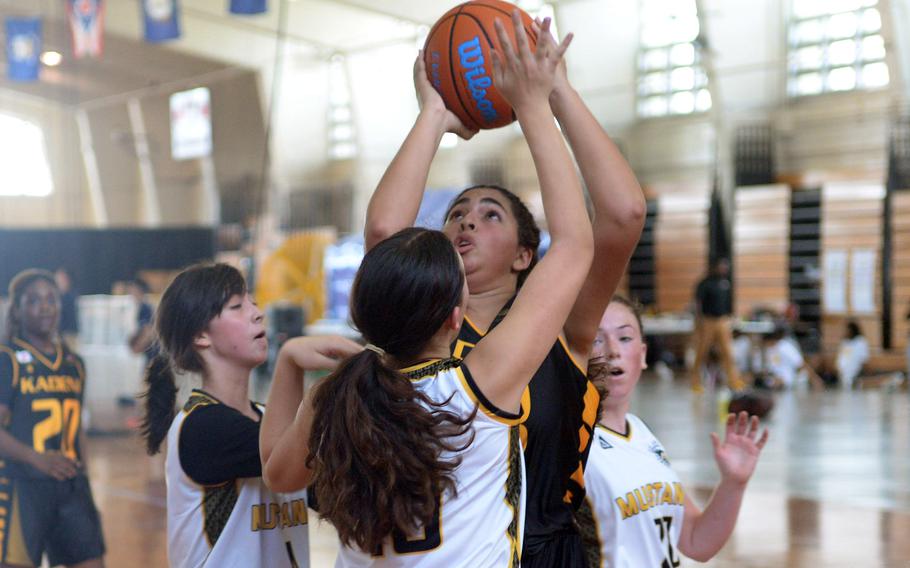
{"x":86,"y":19}
{"x":23,"y":47}
{"x":248,"y":6}
{"x":161,"y":21}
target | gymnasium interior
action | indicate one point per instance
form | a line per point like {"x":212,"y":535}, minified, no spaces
{"x":774,"y":133}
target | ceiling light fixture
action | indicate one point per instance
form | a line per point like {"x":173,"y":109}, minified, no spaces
{"x":51,"y":58}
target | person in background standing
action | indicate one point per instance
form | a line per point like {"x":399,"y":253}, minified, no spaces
{"x":69,"y":313}
{"x":143,"y":340}
{"x":714,"y":323}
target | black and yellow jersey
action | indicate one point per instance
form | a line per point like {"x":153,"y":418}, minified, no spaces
{"x":44,"y":393}
{"x":556,"y":435}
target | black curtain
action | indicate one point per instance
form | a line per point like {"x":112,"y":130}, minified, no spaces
{"x":96,"y":258}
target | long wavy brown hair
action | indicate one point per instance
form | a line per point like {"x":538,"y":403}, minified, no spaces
{"x":377,"y":444}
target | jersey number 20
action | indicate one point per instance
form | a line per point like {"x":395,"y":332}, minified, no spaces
{"x":63,"y":420}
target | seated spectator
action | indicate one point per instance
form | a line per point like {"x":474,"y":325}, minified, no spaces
{"x":780,"y":363}
{"x":742,"y":352}
{"x":852,"y":354}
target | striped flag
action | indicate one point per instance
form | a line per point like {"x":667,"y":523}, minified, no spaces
{"x":86,"y":19}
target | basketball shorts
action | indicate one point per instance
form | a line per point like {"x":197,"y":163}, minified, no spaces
{"x":46,"y":516}
{"x":559,"y":550}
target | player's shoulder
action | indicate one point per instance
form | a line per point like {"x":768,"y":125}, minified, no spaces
{"x":638,"y":427}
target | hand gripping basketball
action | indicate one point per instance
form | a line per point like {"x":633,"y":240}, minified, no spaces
{"x":458,"y":60}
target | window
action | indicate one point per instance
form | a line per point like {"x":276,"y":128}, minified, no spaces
{"x":23,"y":159}
{"x":342,"y":134}
{"x":835,"y":45}
{"x":671,"y":79}
{"x":540,"y":9}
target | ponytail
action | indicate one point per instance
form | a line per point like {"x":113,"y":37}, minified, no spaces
{"x":160,"y":402}
{"x":375,"y":448}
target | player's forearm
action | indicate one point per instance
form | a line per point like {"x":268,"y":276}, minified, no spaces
{"x":286,"y":469}
{"x":712,"y":528}
{"x":395,"y":202}
{"x":563,"y":203}
{"x":285,"y":397}
{"x":13,"y":449}
{"x":615,"y":192}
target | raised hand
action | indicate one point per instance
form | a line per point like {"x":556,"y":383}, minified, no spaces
{"x":428,"y":99}
{"x":561,"y":81}
{"x":521,"y":76}
{"x":320,"y":352}
{"x":738,"y":454}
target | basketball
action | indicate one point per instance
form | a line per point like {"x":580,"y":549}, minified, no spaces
{"x":754,"y":402}
{"x":459,"y":64}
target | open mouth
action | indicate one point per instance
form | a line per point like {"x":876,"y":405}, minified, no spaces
{"x":463,"y":244}
{"x":616,"y":371}
{"x":260,"y":335}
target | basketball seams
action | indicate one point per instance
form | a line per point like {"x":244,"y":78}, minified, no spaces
{"x":480,"y":14}
{"x":491,"y":45}
{"x":455,"y":77}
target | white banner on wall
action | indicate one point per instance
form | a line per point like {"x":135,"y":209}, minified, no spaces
{"x":835,"y":281}
{"x":862,"y":281}
{"x":191,"y":124}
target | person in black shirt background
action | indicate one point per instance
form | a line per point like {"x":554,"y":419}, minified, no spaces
{"x":714,"y":323}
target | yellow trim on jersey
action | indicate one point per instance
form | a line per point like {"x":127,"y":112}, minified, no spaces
{"x":473,"y":325}
{"x":418,"y":366}
{"x":16,"y":551}
{"x":596,"y":524}
{"x":460,"y":344}
{"x":12,"y":357}
{"x":524,"y":409}
{"x":39,"y":355}
{"x":515,"y":544}
{"x":627,"y":436}
{"x":562,"y":341}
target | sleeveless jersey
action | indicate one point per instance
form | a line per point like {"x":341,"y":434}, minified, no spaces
{"x":43,"y":392}
{"x":636,"y":498}
{"x":556,"y":436}
{"x":481,"y":526}
{"x":239,"y":523}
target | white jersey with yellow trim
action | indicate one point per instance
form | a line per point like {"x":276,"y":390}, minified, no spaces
{"x":239,"y":523}
{"x":481,"y":526}
{"x":636,"y":498}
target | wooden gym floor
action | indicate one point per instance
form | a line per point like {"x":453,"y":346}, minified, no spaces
{"x":832,"y":488}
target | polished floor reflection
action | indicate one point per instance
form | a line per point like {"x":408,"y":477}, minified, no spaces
{"x":832,"y":488}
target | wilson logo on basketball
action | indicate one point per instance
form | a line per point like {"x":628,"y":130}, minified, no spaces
{"x":471,"y":59}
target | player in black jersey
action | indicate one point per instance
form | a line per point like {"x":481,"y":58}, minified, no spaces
{"x":498,"y":239}
{"x":46,"y":504}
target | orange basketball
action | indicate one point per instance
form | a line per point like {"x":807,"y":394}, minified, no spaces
{"x":459,"y":64}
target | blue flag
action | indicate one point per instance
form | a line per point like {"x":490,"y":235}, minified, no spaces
{"x":23,"y":47}
{"x":161,"y":21}
{"x":248,"y":6}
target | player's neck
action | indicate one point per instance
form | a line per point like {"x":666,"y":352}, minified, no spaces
{"x":614,"y":417}
{"x":484,"y":306}
{"x":230,"y":385}
{"x":44,"y":343}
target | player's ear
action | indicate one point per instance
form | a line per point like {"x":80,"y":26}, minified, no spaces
{"x":202,"y":340}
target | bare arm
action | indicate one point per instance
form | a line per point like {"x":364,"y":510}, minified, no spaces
{"x":395,"y":202}
{"x":619,"y":209}
{"x":704,"y":533}
{"x":504,"y":362}
{"x":286,"y":423}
